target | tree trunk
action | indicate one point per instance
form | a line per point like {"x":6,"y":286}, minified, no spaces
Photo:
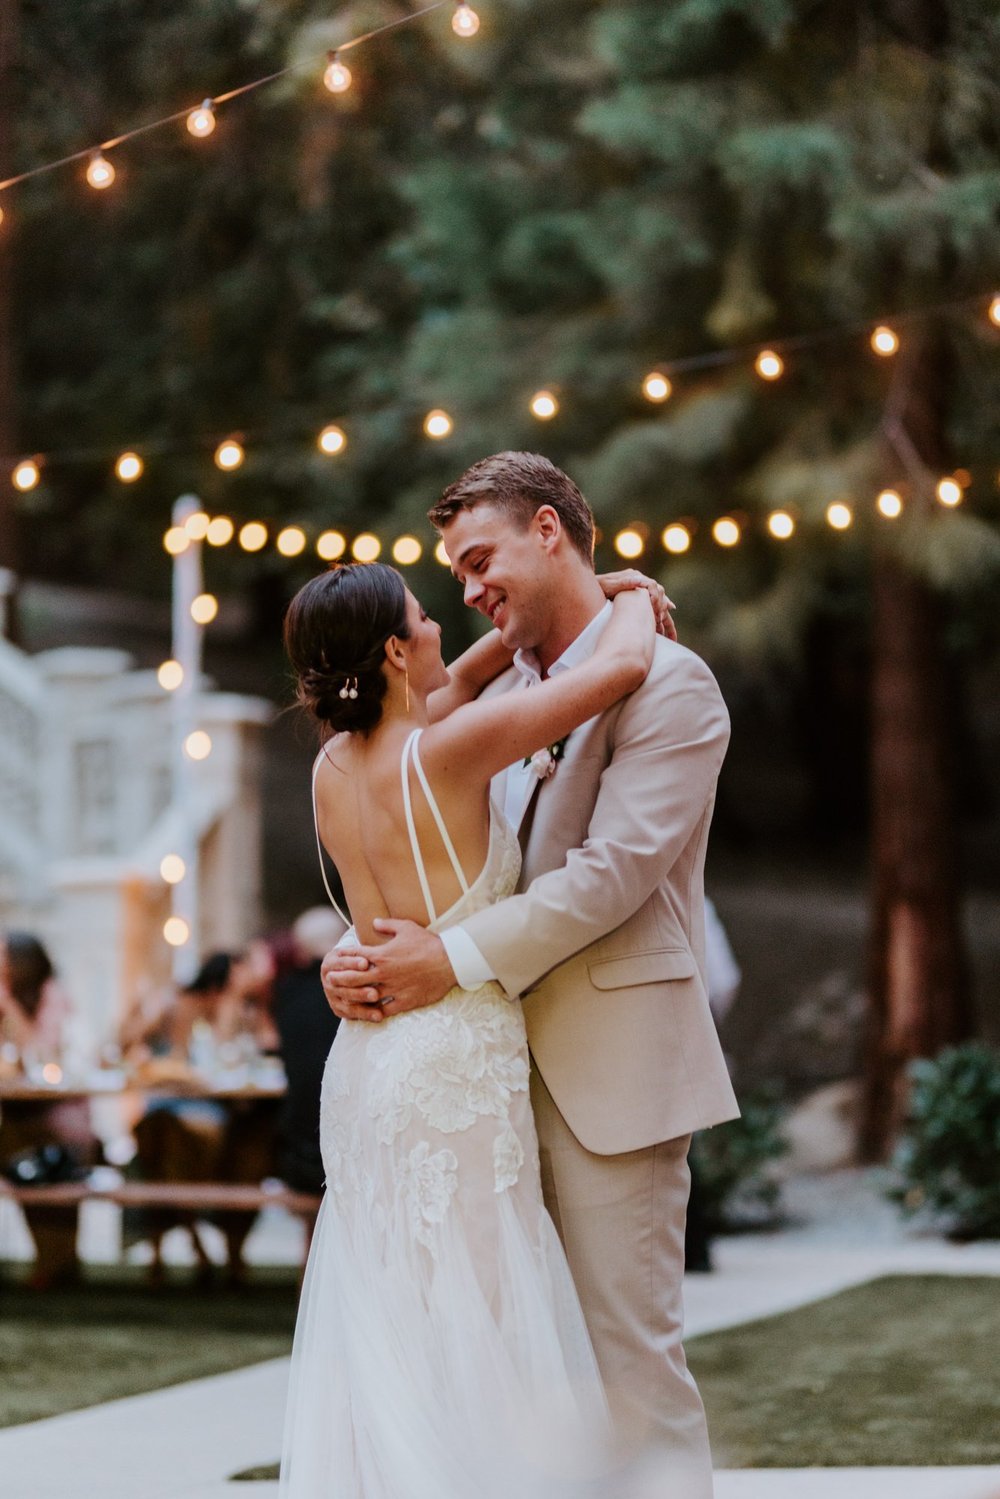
{"x":918,"y":989}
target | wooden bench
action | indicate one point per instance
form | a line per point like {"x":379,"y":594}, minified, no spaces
{"x":189,"y":1197}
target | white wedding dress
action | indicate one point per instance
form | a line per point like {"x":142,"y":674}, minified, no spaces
{"x":440,"y":1350}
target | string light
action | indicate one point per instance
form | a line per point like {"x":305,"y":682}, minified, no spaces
{"x":884,"y":341}
{"x":464,"y":22}
{"x":769,"y":365}
{"x":170,"y":675}
{"x":441,"y":555}
{"x":2,"y":215}
{"x":676,"y":538}
{"x":629,"y":543}
{"x":366,"y":547}
{"x":544,"y":405}
{"x":100,"y":172}
{"x":172,"y":869}
{"x":201,"y":121}
{"x":337,"y":77}
{"x":406,"y":549}
{"x":229,"y":454}
{"x":839,"y":515}
{"x":889,"y":504}
{"x":253,"y":536}
{"x":176,"y":541}
{"x":949,"y":493}
{"x":220,"y":531}
{"x":129,"y":468}
{"x":726,"y":531}
{"x":198,"y":745}
{"x":438,"y":424}
{"x":994,"y":313}
{"x":291,"y":541}
{"x":331,"y":545}
{"x":332,"y":440}
{"x":780,"y":524}
{"x":176,"y":931}
{"x":656,"y":387}
{"x":204,"y":609}
{"x":26,"y":475}
{"x":197,"y":525}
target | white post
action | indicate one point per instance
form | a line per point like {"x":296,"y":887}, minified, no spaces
{"x":187,"y":584}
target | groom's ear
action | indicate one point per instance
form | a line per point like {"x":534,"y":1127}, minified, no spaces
{"x":547,"y":526}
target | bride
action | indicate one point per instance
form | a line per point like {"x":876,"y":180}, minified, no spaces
{"x":440,"y":1351}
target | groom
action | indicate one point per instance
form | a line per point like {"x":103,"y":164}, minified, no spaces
{"x":605,"y":942}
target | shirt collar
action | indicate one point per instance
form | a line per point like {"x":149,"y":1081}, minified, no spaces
{"x":578,"y":650}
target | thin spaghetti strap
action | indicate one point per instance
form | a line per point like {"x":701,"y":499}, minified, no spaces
{"x":436,"y":813}
{"x":319,"y":846}
{"x":418,"y":858}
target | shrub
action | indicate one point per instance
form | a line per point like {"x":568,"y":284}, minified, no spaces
{"x":948,"y":1159}
{"x":732,"y":1161}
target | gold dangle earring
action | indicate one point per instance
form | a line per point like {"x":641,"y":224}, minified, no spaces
{"x":406,"y":685}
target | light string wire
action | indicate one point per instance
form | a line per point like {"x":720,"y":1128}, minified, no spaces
{"x":245,"y":88}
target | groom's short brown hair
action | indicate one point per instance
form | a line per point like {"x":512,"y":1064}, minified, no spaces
{"x":519,"y":484}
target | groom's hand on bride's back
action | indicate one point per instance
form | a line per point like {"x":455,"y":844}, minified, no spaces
{"x":409,"y":971}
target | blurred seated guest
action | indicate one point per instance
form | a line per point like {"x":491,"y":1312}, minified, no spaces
{"x":306,"y":1028}
{"x":37,"y":1029}
{"x":216,"y":1025}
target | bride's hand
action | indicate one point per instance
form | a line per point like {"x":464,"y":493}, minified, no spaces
{"x":630,"y":577}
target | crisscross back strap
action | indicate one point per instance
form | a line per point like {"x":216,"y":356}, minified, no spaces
{"x":410,"y":751}
{"x":319,"y":846}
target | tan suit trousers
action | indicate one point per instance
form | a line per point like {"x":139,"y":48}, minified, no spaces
{"x":621,"y":1220}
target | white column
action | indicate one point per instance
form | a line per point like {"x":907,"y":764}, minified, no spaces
{"x":187,"y":584}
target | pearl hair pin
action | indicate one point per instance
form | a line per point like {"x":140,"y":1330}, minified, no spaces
{"x":350,"y":688}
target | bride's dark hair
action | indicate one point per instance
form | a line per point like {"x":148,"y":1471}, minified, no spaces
{"x":335,"y":632}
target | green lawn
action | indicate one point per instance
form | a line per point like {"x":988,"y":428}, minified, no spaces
{"x":903,"y":1371}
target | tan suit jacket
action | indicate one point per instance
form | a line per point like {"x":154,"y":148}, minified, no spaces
{"x":606,"y":941}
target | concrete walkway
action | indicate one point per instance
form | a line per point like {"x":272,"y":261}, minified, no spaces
{"x":186,"y":1441}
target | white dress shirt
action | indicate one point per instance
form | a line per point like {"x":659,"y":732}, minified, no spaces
{"x":470,"y":967}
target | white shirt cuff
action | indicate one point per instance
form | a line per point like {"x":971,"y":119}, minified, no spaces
{"x":468,"y":964}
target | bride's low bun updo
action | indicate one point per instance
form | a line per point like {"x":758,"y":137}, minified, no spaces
{"x":335,"y":632}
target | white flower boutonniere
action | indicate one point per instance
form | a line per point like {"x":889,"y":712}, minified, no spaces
{"x":544,"y":761}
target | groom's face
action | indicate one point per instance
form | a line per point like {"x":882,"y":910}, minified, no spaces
{"x":505,"y":571}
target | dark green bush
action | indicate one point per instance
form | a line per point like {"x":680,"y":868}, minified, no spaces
{"x":948,"y":1159}
{"x":733,"y":1160}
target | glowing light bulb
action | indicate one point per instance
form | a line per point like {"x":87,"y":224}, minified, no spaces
{"x":220,"y":531}
{"x":204,"y":608}
{"x":949,"y":493}
{"x":172,"y":869}
{"x":994,"y":312}
{"x":291,"y":541}
{"x":629,"y":543}
{"x":26,"y":475}
{"x":889,"y":504}
{"x":170,"y":675}
{"x":676,"y":538}
{"x":100,"y":172}
{"x":780,"y":524}
{"x":337,"y":77}
{"x":229,"y":454}
{"x":884,"y":341}
{"x":769,"y":365}
{"x":406,"y":549}
{"x":176,"y":541}
{"x":253,"y":536}
{"x":201,"y":121}
{"x":366,"y":547}
{"x":726,"y":531}
{"x":332,"y":440}
{"x":544,"y":405}
{"x":656,"y":387}
{"x":464,"y":22}
{"x":52,"y":1073}
{"x":839,"y":515}
{"x":129,"y":468}
{"x":438,"y":424}
{"x":331,"y":545}
{"x":176,"y":931}
{"x":197,"y":525}
{"x":441,"y":555}
{"x":2,"y":215}
{"x":198,"y":745}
